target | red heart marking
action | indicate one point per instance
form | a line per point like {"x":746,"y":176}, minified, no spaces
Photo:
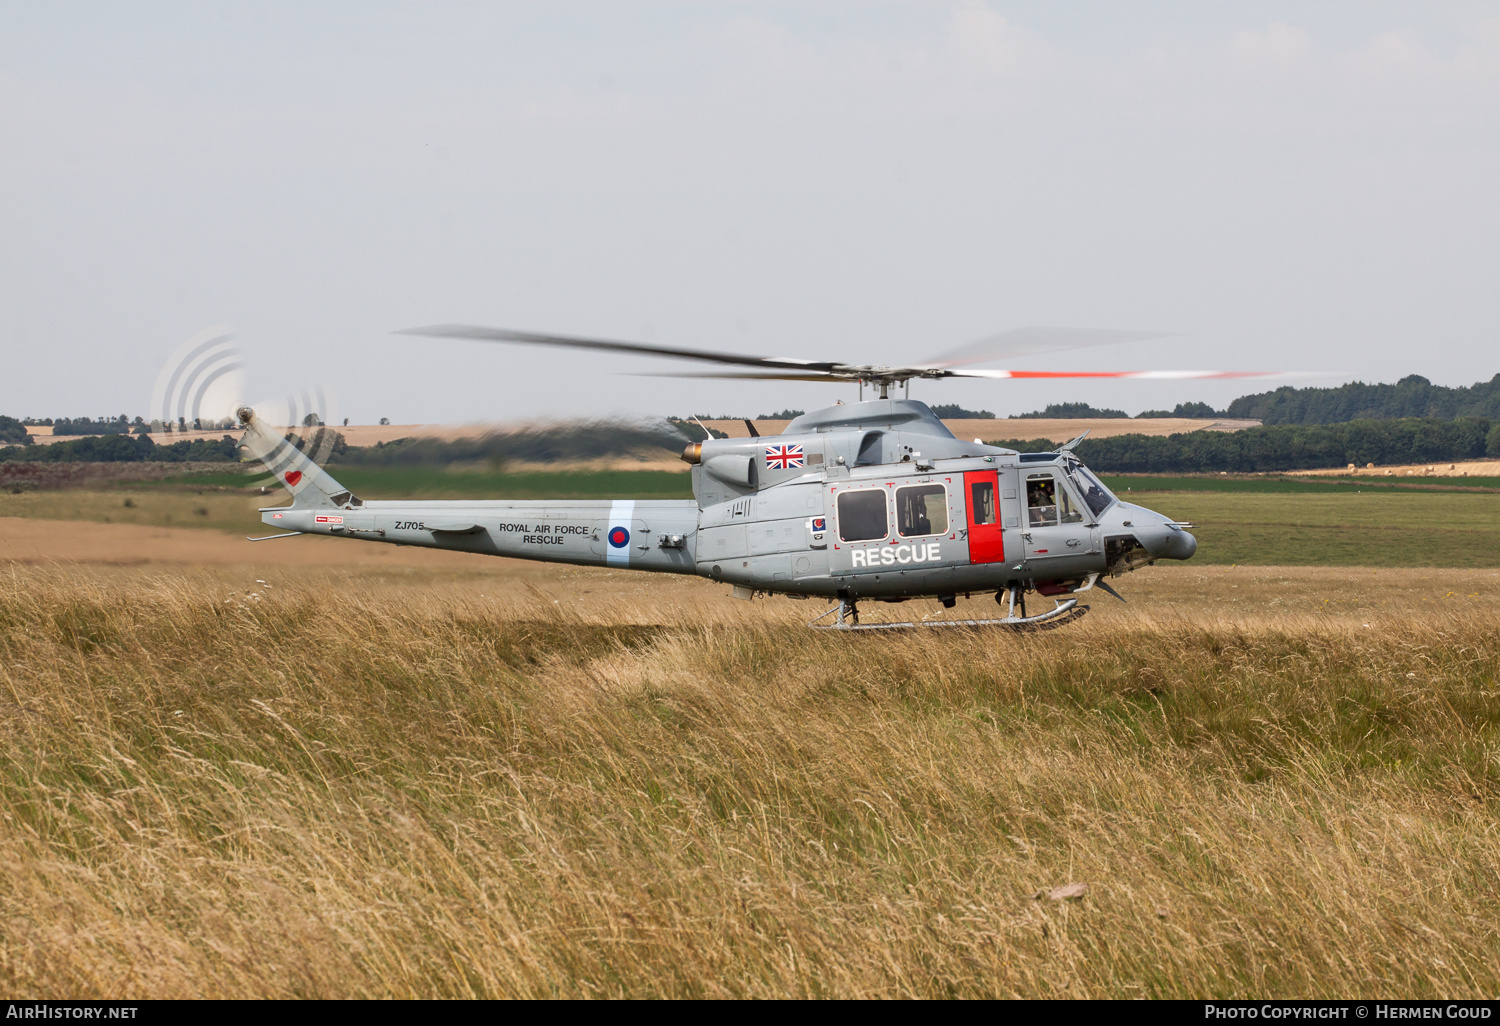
{"x":293,"y":476}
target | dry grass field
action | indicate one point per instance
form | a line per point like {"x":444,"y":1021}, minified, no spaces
{"x":496,"y":779}
{"x":1471,"y":468}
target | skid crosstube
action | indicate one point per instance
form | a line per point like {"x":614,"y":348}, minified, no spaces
{"x":1065,"y":612}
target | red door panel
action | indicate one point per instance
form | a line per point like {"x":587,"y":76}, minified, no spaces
{"x":982,"y":497}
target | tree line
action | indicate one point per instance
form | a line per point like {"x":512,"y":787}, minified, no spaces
{"x":1268,"y":448}
{"x":1412,"y":396}
{"x":90,"y":425}
{"x":1083,"y":411}
{"x":118,"y":448}
{"x":13,"y":432}
{"x":1286,"y":446}
{"x":546,"y":444}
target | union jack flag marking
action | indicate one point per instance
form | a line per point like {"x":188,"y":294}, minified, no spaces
{"x":783,"y":456}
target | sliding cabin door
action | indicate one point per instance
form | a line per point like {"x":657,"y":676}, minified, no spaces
{"x":982,"y":497}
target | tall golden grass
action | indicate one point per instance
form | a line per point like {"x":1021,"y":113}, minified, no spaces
{"x":346,"y":786}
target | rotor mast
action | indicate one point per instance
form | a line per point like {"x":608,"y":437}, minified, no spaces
{"x":888,"y":377}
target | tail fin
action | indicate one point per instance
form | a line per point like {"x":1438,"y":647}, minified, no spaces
{"x":309,"y":483}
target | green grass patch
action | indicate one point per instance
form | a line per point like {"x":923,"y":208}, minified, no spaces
{"x":228,"y":502}
{"x":246,"y":478}
{"x":438,"y":483}
{"x":1367,"y":528}
{"x":1125,"y":484}
{"x":153,"y":507}
{"x":444,"y":483}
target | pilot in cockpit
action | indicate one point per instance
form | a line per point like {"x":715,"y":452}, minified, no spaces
{"x":1041,"y":502}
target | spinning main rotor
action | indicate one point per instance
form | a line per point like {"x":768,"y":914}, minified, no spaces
{"x":949,"y":364}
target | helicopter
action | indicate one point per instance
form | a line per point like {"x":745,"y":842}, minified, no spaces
{"x":873,"y":500}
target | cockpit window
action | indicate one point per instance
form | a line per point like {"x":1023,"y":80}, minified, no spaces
{"x":1041,"y":500}
{"x":1067,"y":506}
{"x":1097,"y":497}
{"x":1049,"y":501}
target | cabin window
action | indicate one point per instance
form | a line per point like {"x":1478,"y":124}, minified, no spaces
{"x":1041,"y":500}
{"x":982,"y":502}
{"x":921,"y":510}
{"x":862,"y":515}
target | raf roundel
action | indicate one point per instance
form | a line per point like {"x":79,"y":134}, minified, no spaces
{"x":619,"y":537}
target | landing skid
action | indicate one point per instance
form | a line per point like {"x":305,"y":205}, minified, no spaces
{"x":1065,"y":612}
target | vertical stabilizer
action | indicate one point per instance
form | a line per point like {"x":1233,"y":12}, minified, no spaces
{"x":309,"y":483}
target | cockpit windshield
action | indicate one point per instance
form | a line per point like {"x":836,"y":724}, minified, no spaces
{"x":1097,"y":497}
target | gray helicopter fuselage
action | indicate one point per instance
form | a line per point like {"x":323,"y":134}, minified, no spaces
{"x":873,"y":500}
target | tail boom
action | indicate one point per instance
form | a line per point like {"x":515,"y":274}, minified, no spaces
{"x":659,"y":535}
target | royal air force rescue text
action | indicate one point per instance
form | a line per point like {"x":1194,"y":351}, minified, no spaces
{"x":544,"y":534}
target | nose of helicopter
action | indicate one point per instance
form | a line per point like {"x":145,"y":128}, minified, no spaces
{"x":1180,"y":545}
{"x":1160,"y":536}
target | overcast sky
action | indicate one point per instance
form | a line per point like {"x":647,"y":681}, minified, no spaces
{"x":1285,"y":186}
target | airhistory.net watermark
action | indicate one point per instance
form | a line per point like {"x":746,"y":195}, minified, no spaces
{"x":67,"y":1010}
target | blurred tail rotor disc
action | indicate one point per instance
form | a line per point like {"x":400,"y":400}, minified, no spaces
{"x":202,"y":384}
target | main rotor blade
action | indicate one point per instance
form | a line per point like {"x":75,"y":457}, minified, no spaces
{"x":482,"y":334}
{"x":1030,"y":341}
{"x":1151,"y":375}
{"x":754,"y":376}
{"x":1020,"y":341}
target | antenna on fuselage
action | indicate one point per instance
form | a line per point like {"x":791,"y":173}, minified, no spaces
{"x":1068,"y":446}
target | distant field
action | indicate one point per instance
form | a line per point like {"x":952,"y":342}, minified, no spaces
{"x":437,"y":483}
{"x":229,"y":501}
{"x":1123,"y":483}
{"x":1282,"y":528}
{"x":145,"y":505}
{"x":1262,"y":521}
{"x":1439,"y":529}
{"x":442,"y":483}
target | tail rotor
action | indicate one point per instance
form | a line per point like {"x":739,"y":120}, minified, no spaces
{"x":201,"y":384}
{"x":202,"y":388}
